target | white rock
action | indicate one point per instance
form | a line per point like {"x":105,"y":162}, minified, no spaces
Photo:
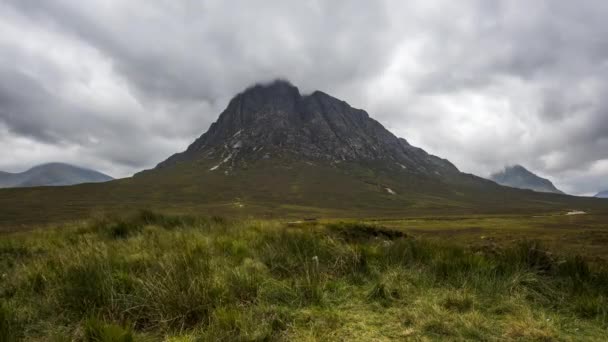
{"x":220,"y":164}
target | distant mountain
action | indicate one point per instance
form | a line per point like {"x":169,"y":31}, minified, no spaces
{"x":52,"y":174}
{"x":602,"y":194}
{"x":519,"y":177}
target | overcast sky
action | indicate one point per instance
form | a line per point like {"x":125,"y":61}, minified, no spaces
{"x":119,"y":85}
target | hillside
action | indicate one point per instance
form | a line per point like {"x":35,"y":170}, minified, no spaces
{"x":519,"y":177}
{"x":274,"y":152}
{"x":51,"y":174}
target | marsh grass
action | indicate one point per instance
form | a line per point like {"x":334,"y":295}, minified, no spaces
{"x":96,"y":330}
{"x":9,"y":327}
{"x":151,"y":277}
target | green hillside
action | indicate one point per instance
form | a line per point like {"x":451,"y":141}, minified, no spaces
{"x":286,"y":188}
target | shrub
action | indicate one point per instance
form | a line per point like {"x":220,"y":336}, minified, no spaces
{"x":123,"y":229}
{"x":10,"y":329}
{"x":361,"y":232}
{"x":84,"y":287}
{"x":244,"y":281}
{"x":148,"y":217}
{"x":437,"y":327}
{"x":529,"y":255}
{"x":408,"y":252}
{"x":127,"y":226}
{"x":287,"y":253}
{"x":178,"y":293}
{"x":312,"y":287}
{"x":279,"y":292}
{"x":98,"y":331}
{"x":380,"y":293}
{"x":459,"y":302}
{"x":587,"y":306}
{"x":238,"y":324}
{"x":575,"y":268}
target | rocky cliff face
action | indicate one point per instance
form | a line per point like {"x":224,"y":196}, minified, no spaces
{"x":276,"y":121}
{"x":519,"y":177}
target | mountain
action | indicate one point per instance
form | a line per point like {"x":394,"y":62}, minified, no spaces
{"x":275,"y":121}
{"x":602,"y":194}
{"x":274,"y":152}
{"x":51,"y":174}
{"x":518,"y":176}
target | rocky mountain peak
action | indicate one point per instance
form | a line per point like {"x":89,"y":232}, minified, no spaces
{"x":274,"y":120}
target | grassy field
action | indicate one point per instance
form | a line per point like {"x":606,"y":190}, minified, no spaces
{"x":151,"y":277}
{"x":561,"y":233}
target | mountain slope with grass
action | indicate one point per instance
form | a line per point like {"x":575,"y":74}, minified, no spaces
{"x":52,"y":174}
{"x":517,"y":176}
{"x":274,"y":152}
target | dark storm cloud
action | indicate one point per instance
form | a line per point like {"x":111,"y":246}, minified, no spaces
{"x":121,"y":85}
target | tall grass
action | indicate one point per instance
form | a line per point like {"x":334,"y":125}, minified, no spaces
{"x":153,"y":276}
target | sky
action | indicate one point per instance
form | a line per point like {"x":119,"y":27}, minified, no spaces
{"x":119,"y":86}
